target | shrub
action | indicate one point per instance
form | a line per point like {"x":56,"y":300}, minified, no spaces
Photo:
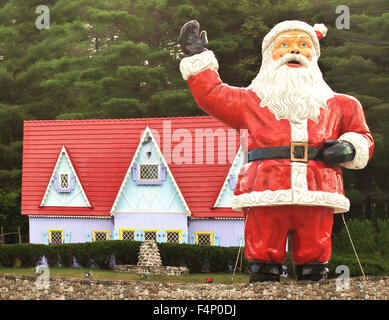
{"x":65,"y":253}
{"x":125,"y":252}
{"x":52,"y":255}
{"x":28,"y":254}
{"x":198,"y":258}
{"x":363,"y":235}
{"x":383,"y":236}
{"x":372,"y":266}
{"x":7,"y":256}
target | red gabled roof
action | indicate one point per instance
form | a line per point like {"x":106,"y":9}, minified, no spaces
{"x":102,"y":151}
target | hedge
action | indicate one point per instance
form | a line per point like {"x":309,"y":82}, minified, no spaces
{"x":87,"y":255}
{"x":197,"y":258}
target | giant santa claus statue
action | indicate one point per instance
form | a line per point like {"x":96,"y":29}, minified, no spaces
{"x":300,"y":133}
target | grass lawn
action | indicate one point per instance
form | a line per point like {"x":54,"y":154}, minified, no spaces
{"x":79,"y":273}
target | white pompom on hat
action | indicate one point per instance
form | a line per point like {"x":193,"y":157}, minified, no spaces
{"x":317,"y":32}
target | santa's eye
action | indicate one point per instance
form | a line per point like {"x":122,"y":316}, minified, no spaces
{"x":283,"y":45}
{"x":304,"y":45}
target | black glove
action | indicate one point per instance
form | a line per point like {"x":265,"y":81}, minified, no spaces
{"x":338,"y":151}
{"x":189,"y":39}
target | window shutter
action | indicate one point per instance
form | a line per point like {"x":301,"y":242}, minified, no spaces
{"x":110,"y":235}
{"x":216,"y":239}
{"x":89,"y":237}
{"x":192,"y":238}
{"x":45,"y":237}
{"x":116,"y":235}
{"x":140,"y":235}
{"x":67,"y":237}
{"x":161,"y":236}
{"x":135,"y":174}
{"x":232,"y":181}
{"x":163,"y":172}
{"x":72,"y":182}
{"x":184,"y":237}
{"x":241,"y":240}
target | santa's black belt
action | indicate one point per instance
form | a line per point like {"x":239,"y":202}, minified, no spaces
{"x":296,"y":152}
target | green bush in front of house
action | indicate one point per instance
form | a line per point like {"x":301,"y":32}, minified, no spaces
{"x":201,"y":258}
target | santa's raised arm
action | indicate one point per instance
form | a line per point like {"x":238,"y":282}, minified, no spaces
{"x":300,"y":132}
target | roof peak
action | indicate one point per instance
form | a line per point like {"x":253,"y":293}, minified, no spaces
{"x":122,"y":119}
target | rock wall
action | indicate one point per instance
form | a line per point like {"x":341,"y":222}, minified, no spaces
{"x":13,"y":287}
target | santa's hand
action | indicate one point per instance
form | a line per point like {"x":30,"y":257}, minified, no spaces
{"x":338,"y":151}
{"x":190,"y":40}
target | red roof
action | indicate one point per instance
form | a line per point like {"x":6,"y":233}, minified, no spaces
{"x":101,"y":152}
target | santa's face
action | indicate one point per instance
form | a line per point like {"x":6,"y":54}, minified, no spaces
{"x":290,"y":82}
{"x":293,"y":42}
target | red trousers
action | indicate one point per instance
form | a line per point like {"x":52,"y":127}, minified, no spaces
{"x":267,"y":229}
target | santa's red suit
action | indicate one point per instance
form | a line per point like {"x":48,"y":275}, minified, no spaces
{"x":299,"y":197}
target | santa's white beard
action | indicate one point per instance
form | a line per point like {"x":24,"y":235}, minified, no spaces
{"x":295,"y":94}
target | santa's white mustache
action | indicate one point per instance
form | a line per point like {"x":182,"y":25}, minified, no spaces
{"x":293,"y":57}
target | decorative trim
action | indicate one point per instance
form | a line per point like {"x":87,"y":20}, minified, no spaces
{"x":191,"y":66}
{"x":216,"y":218}
{"x":361,"y":147}
{"x":147,"y":132}
{"x":287,"y":197}
{"x":63,"y":152}
{"x":226,"y":181}
{"x":88,"y":217}
{"x":153,"y":212}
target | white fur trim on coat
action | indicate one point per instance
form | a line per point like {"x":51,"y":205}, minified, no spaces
{"x":291,"y":197}
{"x":189,"y":66}
{"x":361,"y":147}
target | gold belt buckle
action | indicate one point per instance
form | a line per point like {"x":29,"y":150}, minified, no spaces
{"x":293,"y":145}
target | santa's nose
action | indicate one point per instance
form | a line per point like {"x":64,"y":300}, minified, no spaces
{"x":295,"y":52}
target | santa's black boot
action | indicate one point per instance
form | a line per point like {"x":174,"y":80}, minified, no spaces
{"x":312,"y":271}
{"x":260,"y":271}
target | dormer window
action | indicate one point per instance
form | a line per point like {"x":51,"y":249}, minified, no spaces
{"x":149,"y":171}
{"x":148,"y":174}
{"x":64,"y":178}
{"x":64,"y":182}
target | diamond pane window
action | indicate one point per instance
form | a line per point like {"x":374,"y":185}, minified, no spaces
{"x":173,"y":236}
{"x":204,"y":239}
{"x":55,"y":236}
{"x":100,"y":235}
{"x":151,"y":235}
{"x":64,"y":180}
{"x":149,"y":171}
{"x":128,"y":235}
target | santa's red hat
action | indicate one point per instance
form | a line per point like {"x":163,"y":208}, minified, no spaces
{"x":317,"y":32}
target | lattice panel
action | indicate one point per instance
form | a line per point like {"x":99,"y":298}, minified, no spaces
{"x":100,"y":236}
{"x":64,"y":181}
{"x":204,"y":239}
{"x":173,"y":236}
{"x":149,"y":171}
{"x":151,"y":235}
{"x":128,"y":235}
{"x":55,"y":237}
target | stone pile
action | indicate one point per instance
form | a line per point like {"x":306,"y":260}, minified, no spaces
{"x":150,"y":262}
{"x":149,"y":254}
